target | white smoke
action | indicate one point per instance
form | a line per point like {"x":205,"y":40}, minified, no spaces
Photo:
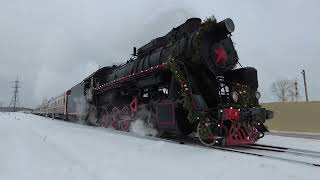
{"x":87,"y":112}
{"x":90,"y":67}
{"x":143,"y":124}
{"x":140,"y":128}
{"x":80,"y":105}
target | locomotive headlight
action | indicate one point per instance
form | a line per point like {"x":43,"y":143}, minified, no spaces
{"x":258,"y":95}
{"x":235,"y":96}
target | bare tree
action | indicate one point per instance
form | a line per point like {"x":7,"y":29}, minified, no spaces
{"x":284,"y":89}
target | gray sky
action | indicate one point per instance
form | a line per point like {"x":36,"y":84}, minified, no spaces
{"x":52,"y":45}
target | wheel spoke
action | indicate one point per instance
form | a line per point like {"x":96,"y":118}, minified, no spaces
{"x":205,"y":135}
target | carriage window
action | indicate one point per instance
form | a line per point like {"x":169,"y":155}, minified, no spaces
{"x":145,"y":93}
{"x":164,"y":90}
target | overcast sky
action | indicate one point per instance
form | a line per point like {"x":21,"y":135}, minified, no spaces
{"x":52,"y":45}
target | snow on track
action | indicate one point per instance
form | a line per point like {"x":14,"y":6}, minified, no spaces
{"x":37,"y":148}
{"x":291,"y":142}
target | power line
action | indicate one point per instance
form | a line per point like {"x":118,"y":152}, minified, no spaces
{"x":15,"y":98}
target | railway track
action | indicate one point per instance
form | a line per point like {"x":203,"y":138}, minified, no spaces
{"x":292,"y":155}
{"x":299,"y":156}
{"x":298,"y":152}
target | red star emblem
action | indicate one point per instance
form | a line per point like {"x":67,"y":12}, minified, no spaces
{"x":221,"y":55}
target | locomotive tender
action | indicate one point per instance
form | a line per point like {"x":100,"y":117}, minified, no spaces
{"x":183,"y":83}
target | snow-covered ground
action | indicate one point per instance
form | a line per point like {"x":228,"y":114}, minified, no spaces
{"x":36,"y":148}
{"x":290,"y":142}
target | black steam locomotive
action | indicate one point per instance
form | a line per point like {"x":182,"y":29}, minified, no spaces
{"x":183,"y":83}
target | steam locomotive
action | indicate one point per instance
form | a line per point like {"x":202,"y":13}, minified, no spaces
{"x":183,"y":83}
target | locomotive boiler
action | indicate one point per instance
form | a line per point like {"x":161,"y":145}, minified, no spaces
{"x":183,"y":83}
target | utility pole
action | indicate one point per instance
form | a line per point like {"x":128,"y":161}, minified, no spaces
{"x":305,"y":84}
{"x":296,"y":90}
{"x":15,"y":98}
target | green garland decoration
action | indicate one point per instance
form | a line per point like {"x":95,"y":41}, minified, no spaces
{"x":193,"y":116}
{"x":246,"y":97}
{"x":205,"y":27}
